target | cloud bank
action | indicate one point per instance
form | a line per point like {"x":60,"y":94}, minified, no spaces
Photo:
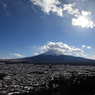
{"x":60,"y":48}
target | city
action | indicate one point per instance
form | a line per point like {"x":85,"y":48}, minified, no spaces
{"x":21,"y":78}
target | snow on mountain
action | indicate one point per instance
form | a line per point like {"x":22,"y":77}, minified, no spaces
{"x":54,"y":52}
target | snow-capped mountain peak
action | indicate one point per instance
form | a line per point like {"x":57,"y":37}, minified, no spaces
{"x":54,"y":52}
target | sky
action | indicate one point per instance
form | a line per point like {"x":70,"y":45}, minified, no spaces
{"x":32,"y":27}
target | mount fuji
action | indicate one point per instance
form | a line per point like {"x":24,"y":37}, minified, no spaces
{"x":52,"y":57}
{"x":57,"y":57}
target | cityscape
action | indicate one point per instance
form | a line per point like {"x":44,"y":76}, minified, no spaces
{"x":21,"y":78}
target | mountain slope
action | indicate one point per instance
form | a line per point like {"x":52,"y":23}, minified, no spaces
{"x":52,"y":57}
{"x":43,"y":58}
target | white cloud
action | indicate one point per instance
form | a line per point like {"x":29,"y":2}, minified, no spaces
{"x":84,"y":46}
{"x":77,"y":50}
{"x":85,"y":13}
{"x":17,"y":55}
{"x":80,"y":21}
{"x":55,"y":6}
{"x":81,"y":18}
{"x":48,"y":6}
{"x":35,"y":53}
{"x":70,"y":8}
{"x":60,"y":47}
{"x":83,"y":22}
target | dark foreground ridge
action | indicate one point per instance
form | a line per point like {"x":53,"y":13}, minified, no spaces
{"x":74,"y":85}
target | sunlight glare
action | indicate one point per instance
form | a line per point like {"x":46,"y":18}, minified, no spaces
{"x":82,"y":21}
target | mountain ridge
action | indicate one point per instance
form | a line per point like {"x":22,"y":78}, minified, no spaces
{"x":52,"y":59}
{"x":42,"y":58}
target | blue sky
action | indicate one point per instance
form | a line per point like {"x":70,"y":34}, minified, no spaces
{"x":31,"y":27}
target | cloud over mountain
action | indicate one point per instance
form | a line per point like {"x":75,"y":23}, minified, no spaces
{"x":60,"y":48}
